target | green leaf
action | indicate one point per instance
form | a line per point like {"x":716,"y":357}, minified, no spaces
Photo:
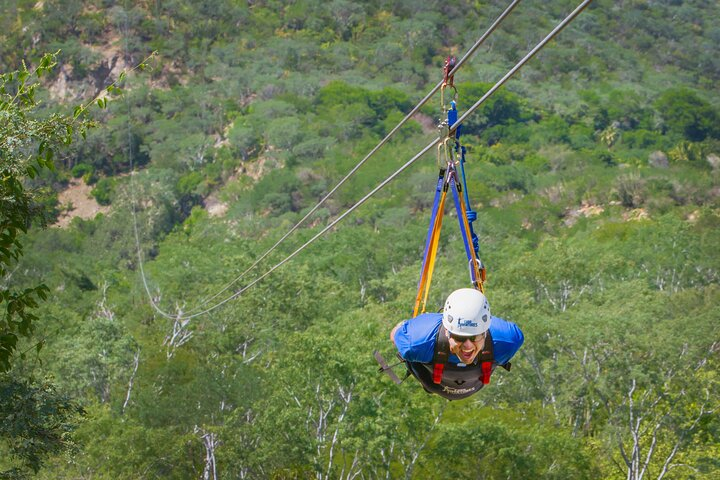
{"x":41,"y":293}
{"x":22,"y":76}
{"x":113,"y":90}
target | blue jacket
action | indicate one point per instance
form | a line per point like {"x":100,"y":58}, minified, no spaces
{"x":415,"y":339}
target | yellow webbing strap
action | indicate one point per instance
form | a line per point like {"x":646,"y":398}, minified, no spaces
{"x":426,"y":278}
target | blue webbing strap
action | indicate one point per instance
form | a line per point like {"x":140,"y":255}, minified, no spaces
{"x":452,"y":116}
{"x":456,"y":198}
{"x":471,"y":214}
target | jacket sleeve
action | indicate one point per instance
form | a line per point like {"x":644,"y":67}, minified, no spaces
{"x":507,"y":340}
{"x":518,"y":340}
{"x":415,"y":339}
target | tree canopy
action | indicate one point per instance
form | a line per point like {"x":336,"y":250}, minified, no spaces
{"x":594,"y":173}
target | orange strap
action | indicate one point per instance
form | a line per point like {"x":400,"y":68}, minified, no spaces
{"x":429,"y":268}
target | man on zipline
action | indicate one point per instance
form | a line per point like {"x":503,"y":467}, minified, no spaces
{"x":454,"y":352}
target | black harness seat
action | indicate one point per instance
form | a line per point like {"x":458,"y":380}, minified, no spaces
{"x":450,"y":380}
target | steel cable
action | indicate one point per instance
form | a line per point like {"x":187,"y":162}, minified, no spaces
{"x":475,"y":106}
{"x":422,"y":102}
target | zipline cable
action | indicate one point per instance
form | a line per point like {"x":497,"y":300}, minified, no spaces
{"x":422,"y":102}
{"x":133,"y":195}
{"x":522,"y":62}
{"x":453,"y":127}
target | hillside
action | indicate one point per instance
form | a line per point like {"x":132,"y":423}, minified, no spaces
{"x":595,"y":173}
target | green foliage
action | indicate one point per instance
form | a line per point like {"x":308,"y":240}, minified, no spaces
{"x":36,"y":424}
{"x":499,"y":447}
{"x":104,"y":190}
{"x":609,"y":267}
{"x":81,"y":169}
{"x":686,"y":114}
{"x":27,"y":145}
{"x":243,"y":138}
{"x":631,"y":190}
{"x":503,"y":108}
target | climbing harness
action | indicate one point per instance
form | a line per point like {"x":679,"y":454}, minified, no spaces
{"x":451,"y":176}
{"x":452,"y":380}
{"x":476,"y":267}
{"x":485,"y":358}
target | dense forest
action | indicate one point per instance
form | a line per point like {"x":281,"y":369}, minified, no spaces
{"x":200,"y":132}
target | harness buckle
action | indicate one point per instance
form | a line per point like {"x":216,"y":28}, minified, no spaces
{"x":438,"y":372}
{"x":486,"y":371}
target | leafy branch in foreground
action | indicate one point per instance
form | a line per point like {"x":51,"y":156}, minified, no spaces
{"x":27,"y":145}
{"x":39,"y":419}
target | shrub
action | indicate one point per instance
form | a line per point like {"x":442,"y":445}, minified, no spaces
{"x":643,"y":139}
{"x":188,"y":183}
{"x":81,"y":169}
{"x":104,"y":190}
{"x":632,"y":190}
{"x":502,"y":108}
{"x":605,"y":157}
{"x":581,"y":136}
{"x":90,"y":178}
{"x":685,"y":113}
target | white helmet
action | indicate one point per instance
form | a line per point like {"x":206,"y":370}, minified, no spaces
{"x":466,"y":312}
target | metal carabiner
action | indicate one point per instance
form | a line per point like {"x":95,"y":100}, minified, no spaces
{"x":444,"y":159}
{"x":481,"y":270}
{"x":444,"y":106}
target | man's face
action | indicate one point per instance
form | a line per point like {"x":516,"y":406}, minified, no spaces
{"x":466,"y":349}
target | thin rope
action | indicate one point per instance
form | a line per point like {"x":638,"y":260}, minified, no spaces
{"x":525,"y":59}
{"x":422,"y":102}
{"x":319,"y":234}
{"x":133,"y":196}
{"x":477,"y":104}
